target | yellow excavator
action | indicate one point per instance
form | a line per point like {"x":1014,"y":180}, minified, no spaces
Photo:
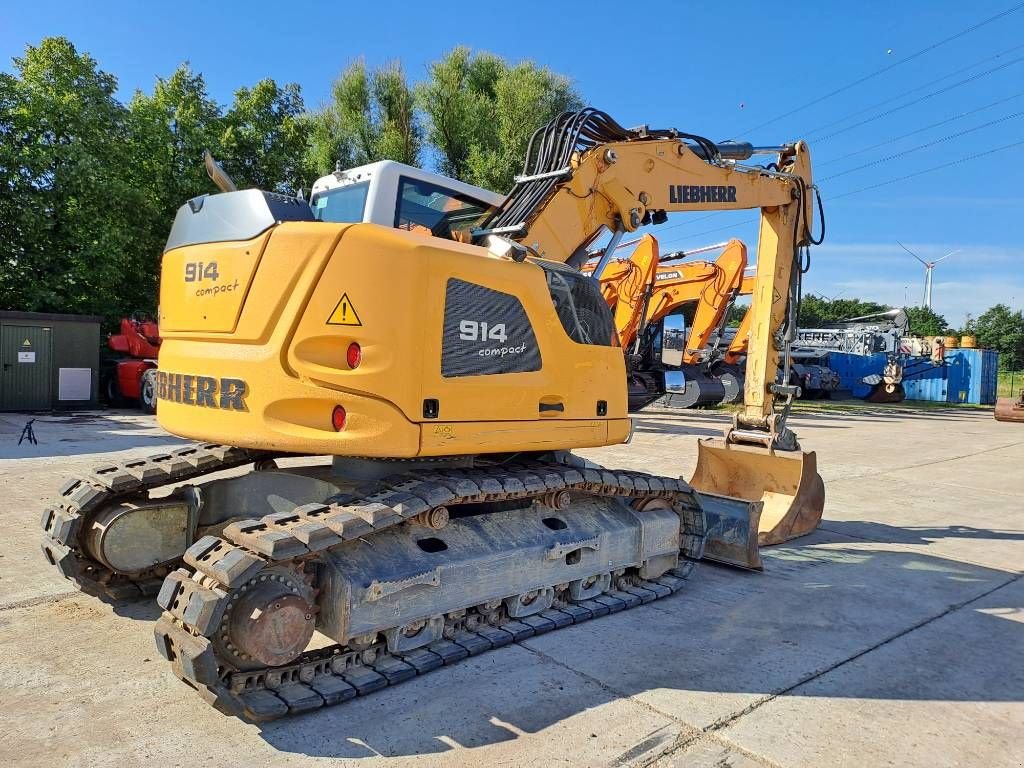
{"x":653,"y":296}
{"x":448,"y":376}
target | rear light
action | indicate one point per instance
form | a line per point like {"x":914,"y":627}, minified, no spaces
{"x":338,"y":418}
{"x":354,"y":356}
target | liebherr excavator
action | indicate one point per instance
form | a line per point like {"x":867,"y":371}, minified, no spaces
{"x":649,"y":295}
{"x":448,"y":380}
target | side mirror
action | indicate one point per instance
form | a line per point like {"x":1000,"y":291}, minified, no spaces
{"x":675,"y":381}
{"x":673,"y":340}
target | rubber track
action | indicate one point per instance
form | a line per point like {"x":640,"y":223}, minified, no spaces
{"x":82,"y":498}
{"x":195,"y":599}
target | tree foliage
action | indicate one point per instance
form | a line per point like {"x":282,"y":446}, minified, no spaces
{"x":1002,"y":329}
{"x":265,"y":137}
{"x":372,"y":116}
{"x":816,"y":311}
{"x":70,"y":201}
{"x":735,"y":314}
{"x":482,"y":111}
{"x":925,"y":321}
{"x":89,"y":186}
{"x":170,"y":130}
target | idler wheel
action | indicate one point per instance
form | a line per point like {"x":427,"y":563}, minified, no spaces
{"x":270,"y":623}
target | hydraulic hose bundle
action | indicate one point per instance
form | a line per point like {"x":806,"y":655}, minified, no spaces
{"x":549,"y":156}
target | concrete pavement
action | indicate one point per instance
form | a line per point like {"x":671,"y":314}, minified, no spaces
{"x":892,"y":636}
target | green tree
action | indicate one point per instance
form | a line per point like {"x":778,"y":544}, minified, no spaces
{"x":327,"y":145}
{"x":1002,"y":329}
{"x":170,"y":128}
{"x":372,"y":116}
{"x":482,"y":113}
{"x":67,"y":186}
{"x":459,"y":100}
{"x":264,"y":140}
{"x":927,"y":322}
{"x":816,"y":311}
{"x":735,"y":314}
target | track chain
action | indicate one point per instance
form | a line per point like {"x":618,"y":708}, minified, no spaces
{"x":197,"y":599}
{"x":82,"y":498}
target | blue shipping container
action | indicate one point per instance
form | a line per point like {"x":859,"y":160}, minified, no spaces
{"x":969,"y":375}
{"x":852,"y":368}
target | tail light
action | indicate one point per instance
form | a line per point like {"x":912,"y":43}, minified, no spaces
{"x":338,"y":418}
{"x":354,"y":355}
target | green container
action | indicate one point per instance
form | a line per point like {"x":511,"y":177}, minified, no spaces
{"x":48,"y":361}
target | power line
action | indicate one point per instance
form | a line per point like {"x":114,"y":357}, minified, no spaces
{"x":915,"y":89}
{"x":919,"y":147}
{"x":918,"y":100}
{"x":894,"y":139}
{"x":950,"y":164}
{"x":887,"y":182}
{"x":889,"y":67}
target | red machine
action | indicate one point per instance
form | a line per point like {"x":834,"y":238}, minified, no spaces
{"x":131,"y":375}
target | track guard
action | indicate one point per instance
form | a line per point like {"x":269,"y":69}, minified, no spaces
{"x":788,"y":488}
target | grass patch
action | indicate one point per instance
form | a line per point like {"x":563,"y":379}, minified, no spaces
{"x":1010,"y":383}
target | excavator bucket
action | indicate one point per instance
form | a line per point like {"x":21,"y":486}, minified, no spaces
{"x":753,"y":497}
{"x":886,"y":393}
{"x":1008,"y":409}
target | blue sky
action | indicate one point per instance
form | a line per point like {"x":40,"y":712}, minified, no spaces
{"x":731,"y":71}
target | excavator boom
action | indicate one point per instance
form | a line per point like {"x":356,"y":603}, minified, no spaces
{"x":586,"y":175}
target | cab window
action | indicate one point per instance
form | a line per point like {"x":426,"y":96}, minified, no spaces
{"x":343,"y":205}
{"x":429,"y":208}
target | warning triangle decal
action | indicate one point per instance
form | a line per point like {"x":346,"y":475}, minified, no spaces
{"x":344,"y":313}
{"x":26,"y":343}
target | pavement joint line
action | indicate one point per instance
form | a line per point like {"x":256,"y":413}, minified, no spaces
{"x":39,"y":600}
{"x":727,"y":721}
{"x":722,"y":723}
{"x":912,"y":546}
{"x":681,"y":744}
{"x":607,"y":688}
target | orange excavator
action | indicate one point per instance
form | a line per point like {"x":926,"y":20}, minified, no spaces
{"x":656,"y":299}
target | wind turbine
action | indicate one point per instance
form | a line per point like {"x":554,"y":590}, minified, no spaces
{"x":928,"y":267}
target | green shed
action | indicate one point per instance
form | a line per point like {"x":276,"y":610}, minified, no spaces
{"x":48,"y":361}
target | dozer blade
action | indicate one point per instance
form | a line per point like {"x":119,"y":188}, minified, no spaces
{"x":1008,"y":409}
{"x":731,"y":530}
{"x":783,"y":495}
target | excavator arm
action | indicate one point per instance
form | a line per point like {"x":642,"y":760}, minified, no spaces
{"x":738,"y":346}
{"x":712,"y":285}
{"x":585,"y":176}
